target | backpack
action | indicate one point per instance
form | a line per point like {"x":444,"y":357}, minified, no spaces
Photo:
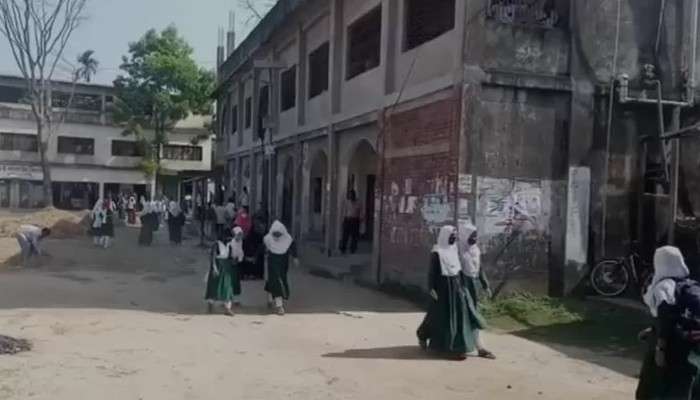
{"x":688,"y":302}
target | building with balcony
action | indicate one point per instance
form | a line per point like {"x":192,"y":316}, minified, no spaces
{"x":88,"y":154}
{"x":523,"y":117}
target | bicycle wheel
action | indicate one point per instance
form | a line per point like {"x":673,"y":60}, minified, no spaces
{"x":610,"y":278}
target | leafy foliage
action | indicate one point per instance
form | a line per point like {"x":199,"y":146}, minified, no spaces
{"x":160,"y":86}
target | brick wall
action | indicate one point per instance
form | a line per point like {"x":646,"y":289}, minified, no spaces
{"x":420,"y":175}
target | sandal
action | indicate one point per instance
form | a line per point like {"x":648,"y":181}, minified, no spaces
{"x":483,"y":353}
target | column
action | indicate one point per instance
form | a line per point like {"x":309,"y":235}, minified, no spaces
{"x":101,"y":190}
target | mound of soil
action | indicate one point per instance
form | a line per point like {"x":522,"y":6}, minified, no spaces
{"x":63,"y":224}
{"x":12,"y":346}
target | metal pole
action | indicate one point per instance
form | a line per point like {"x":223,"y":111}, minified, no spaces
{"x":675,"y":159}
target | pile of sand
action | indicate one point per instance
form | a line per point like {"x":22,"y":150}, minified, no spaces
{"x":63,"y":224}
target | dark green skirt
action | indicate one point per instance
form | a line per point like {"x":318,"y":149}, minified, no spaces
{"x":226,"y":285}
{"x":452,"y":322}
{"x":277,"y":284}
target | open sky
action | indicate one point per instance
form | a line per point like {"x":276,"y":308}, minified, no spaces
{"x":112,"y":24}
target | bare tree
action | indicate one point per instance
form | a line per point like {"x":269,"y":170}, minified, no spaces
{"x":38,"y":32}
{"x":256,"y":9}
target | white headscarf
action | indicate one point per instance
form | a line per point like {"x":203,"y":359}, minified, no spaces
{"x":237,"y":245}
{"x":449,"y":255}
{"x":281,"y":244}
{"x":471,"y":254}
{"x":174,"y":208}
{"x":668,"y":266}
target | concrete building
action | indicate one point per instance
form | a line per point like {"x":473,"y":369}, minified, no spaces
{"x":523,"y":117}
{"x":89,"y":156}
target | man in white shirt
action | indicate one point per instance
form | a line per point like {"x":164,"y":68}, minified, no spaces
{"x":28,"y":237}
{"x":244,"y":197}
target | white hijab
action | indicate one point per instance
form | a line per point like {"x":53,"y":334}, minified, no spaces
{"x":174,"y":209}
{"x":281,"y":244}
{"x":668,"y":266}
{"x":471,"y":254}
{"x":237,"y":245}
{"x":449,"y":255}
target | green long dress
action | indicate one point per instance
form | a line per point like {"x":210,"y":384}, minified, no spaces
{"x":227,"y":284}
{"x":452,"y":320}
{"x":277,"y":283}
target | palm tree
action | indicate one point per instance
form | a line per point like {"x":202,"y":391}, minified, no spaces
{"x":87,"y":66}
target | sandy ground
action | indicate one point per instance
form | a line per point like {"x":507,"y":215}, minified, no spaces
{"x":127,"y":323}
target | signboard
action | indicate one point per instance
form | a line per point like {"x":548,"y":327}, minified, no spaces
{"x":464,"y":184}
{"x":20,"y":171}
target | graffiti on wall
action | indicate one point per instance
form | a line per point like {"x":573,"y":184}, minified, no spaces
{"x":506,"y":205}
{"x":512,"y":218}
{"x":423,"y":209}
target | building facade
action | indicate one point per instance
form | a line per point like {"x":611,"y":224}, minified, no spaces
{"x":89,"y":156}
{"x":525,"y":118}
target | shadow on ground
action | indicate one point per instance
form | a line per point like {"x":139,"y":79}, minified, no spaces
{"x":161,"y":278}
{"x":607,"y":333}
{"x":385,"y":353}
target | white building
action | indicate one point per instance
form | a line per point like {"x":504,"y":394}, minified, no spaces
{"x":89,"y":155}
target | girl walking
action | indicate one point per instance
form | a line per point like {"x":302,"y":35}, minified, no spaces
{"x":223,"y":281}
{"x":280,"y":247}
{"x":450,"y":325}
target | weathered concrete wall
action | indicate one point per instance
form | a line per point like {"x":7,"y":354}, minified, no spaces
{"x":520,"y":140}
{"x":419,"y":186}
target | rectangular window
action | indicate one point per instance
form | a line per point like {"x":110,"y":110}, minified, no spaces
{"x":83,"y":102}
{"x":75,"y":145}
{"x":19,"y":142}
{"x":182,"y":153}
{"x":126,"y":148}
{"x":288,"y":83}
{"x":542,"y":13}
{"x":318,"y":70}
{"x":364,"y":43}
{"x":426,"y":20}
{"x":248,"y":112}
{"x":234,"y":119}
{"x":10,"y":94}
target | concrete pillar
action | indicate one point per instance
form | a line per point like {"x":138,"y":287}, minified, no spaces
{"x":389,"y":44}
{"x":298,"y":188}
{"x":101,"y":190}
{"x":14,"y":193}
{"x":337,"y":55}
{"x":306,"y":188}
{"x":335,"y":74}
{"x":301,"y":77}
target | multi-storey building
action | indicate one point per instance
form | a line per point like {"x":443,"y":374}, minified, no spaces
{"x":88,"y":154}
{"x":505,"y":113}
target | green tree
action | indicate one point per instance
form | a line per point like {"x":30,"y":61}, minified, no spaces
{"x":161,"y":84}
{"x":87,"y":66}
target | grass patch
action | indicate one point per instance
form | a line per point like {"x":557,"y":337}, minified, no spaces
{"x":571,"y":322}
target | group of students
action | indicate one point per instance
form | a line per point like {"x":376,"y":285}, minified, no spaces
{"x":452,"y":324}
{"x":227,"y":268}
{"x":104,"y":214}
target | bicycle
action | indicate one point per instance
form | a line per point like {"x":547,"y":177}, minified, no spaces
{"x":612,"y":277}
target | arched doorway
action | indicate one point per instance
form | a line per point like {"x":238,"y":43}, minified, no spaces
{"x":288,"y":195}
{"x":318,"y":180}
{"x":362,"y":178}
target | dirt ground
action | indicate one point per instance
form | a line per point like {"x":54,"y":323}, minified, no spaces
{"x":128,"y":323}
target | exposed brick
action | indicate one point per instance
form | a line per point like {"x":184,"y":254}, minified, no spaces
{"x":406,"y":236}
